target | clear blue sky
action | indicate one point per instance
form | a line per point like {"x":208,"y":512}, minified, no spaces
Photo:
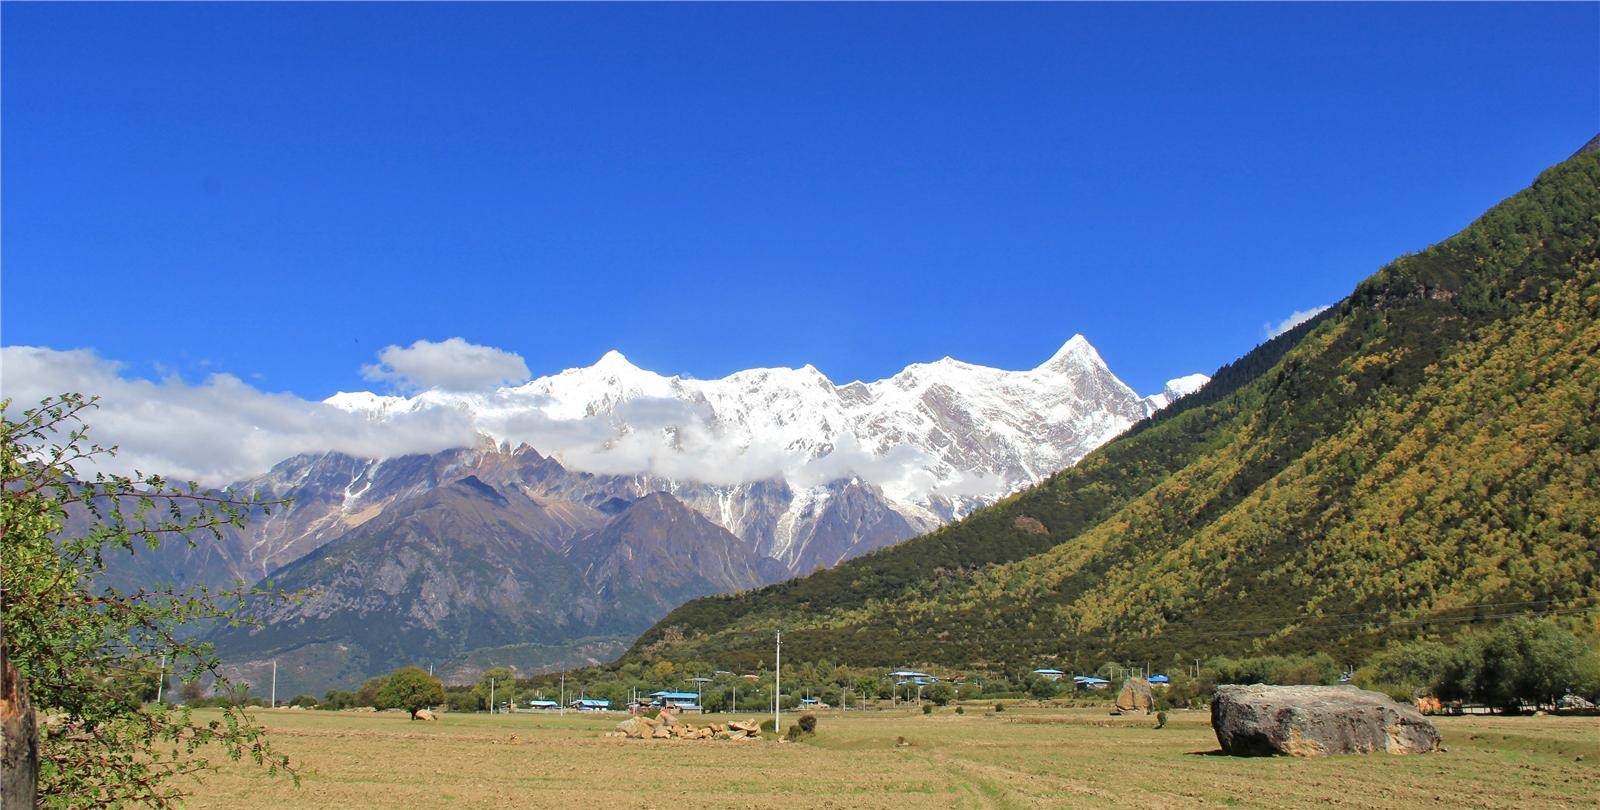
{"x":280,"y":190}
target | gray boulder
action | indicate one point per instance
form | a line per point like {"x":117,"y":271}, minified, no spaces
{"x":1308,"y":721}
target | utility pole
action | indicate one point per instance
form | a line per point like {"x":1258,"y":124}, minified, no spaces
{"x":491,"y":695}
{"x":161,"y":684}
{"x":274,"y":683}
{"x":563,"y":693}
{"x":777,"y":688}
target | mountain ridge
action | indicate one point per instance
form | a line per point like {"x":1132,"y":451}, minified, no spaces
{"x":1424,"y":446}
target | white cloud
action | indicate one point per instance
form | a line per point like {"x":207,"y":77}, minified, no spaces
{"x":218,"y":431}
{"x":1295,"y":319}
{"x":451,"y":365}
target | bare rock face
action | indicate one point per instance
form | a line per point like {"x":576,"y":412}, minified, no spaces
{"x":1030,"y":525}
{"x":1307,"y":721}
{"x":1136,"y":696}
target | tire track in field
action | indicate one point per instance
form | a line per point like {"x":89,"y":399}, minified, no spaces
{"x":988,"y":782}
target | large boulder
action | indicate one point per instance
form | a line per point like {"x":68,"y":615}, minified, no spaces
{"x":1307,"y":721}
{"x":1136,"y":696}
{"x":424,"y":714}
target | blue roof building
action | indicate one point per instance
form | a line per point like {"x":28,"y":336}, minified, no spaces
{"x":676,"y":700}
{"x":674,"y":695}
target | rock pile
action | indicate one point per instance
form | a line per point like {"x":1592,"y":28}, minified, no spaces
{"x":1308,"y":721}
{"x":668,"y":727}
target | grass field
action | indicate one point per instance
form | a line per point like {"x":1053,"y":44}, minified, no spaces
{"x":1021,"y":758}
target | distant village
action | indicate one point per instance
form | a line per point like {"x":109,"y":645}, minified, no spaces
{"x":913,"y":682}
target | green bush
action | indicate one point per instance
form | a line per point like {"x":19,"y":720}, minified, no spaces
{"x":927,"y":708}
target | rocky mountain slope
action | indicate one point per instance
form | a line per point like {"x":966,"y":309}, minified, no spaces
{"x":1423,"y":454}
{"x":466,"y":566}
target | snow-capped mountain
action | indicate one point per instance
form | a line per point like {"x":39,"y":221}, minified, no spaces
{"x":597,"y":499}
{"x":1175,"y":390}
{"x":765,"y":452}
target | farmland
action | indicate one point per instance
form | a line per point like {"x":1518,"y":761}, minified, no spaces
{"x":1020,"y":758}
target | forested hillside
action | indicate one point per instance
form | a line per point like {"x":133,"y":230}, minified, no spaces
{"x":1425,"y":453}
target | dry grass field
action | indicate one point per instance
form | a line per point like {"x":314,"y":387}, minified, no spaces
{"x":1022,"y":758}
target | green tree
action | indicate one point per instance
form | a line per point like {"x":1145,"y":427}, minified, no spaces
{"x":1405,"y":670}
{"x":461,"y":699}
{"x":496,"y":682}
{"x":337,"y":699}
{"x":412,"y":689}
{"x":372,"y":694}
{"x":1043,"y":688}
{"x":941,"y":693}
{"x":89,"y":654}
{"x":1525,"y":660}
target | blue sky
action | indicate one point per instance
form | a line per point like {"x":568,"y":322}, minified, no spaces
{"x":278,"y":191}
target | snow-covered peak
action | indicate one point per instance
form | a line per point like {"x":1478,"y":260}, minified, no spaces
{"x":613,"y":362}
{"x":365,"y":402}
{"x":1186,"y":385}
{"x":1175,"y":390}
{"x":946,"y":432}
{"x":1076,"y":352}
